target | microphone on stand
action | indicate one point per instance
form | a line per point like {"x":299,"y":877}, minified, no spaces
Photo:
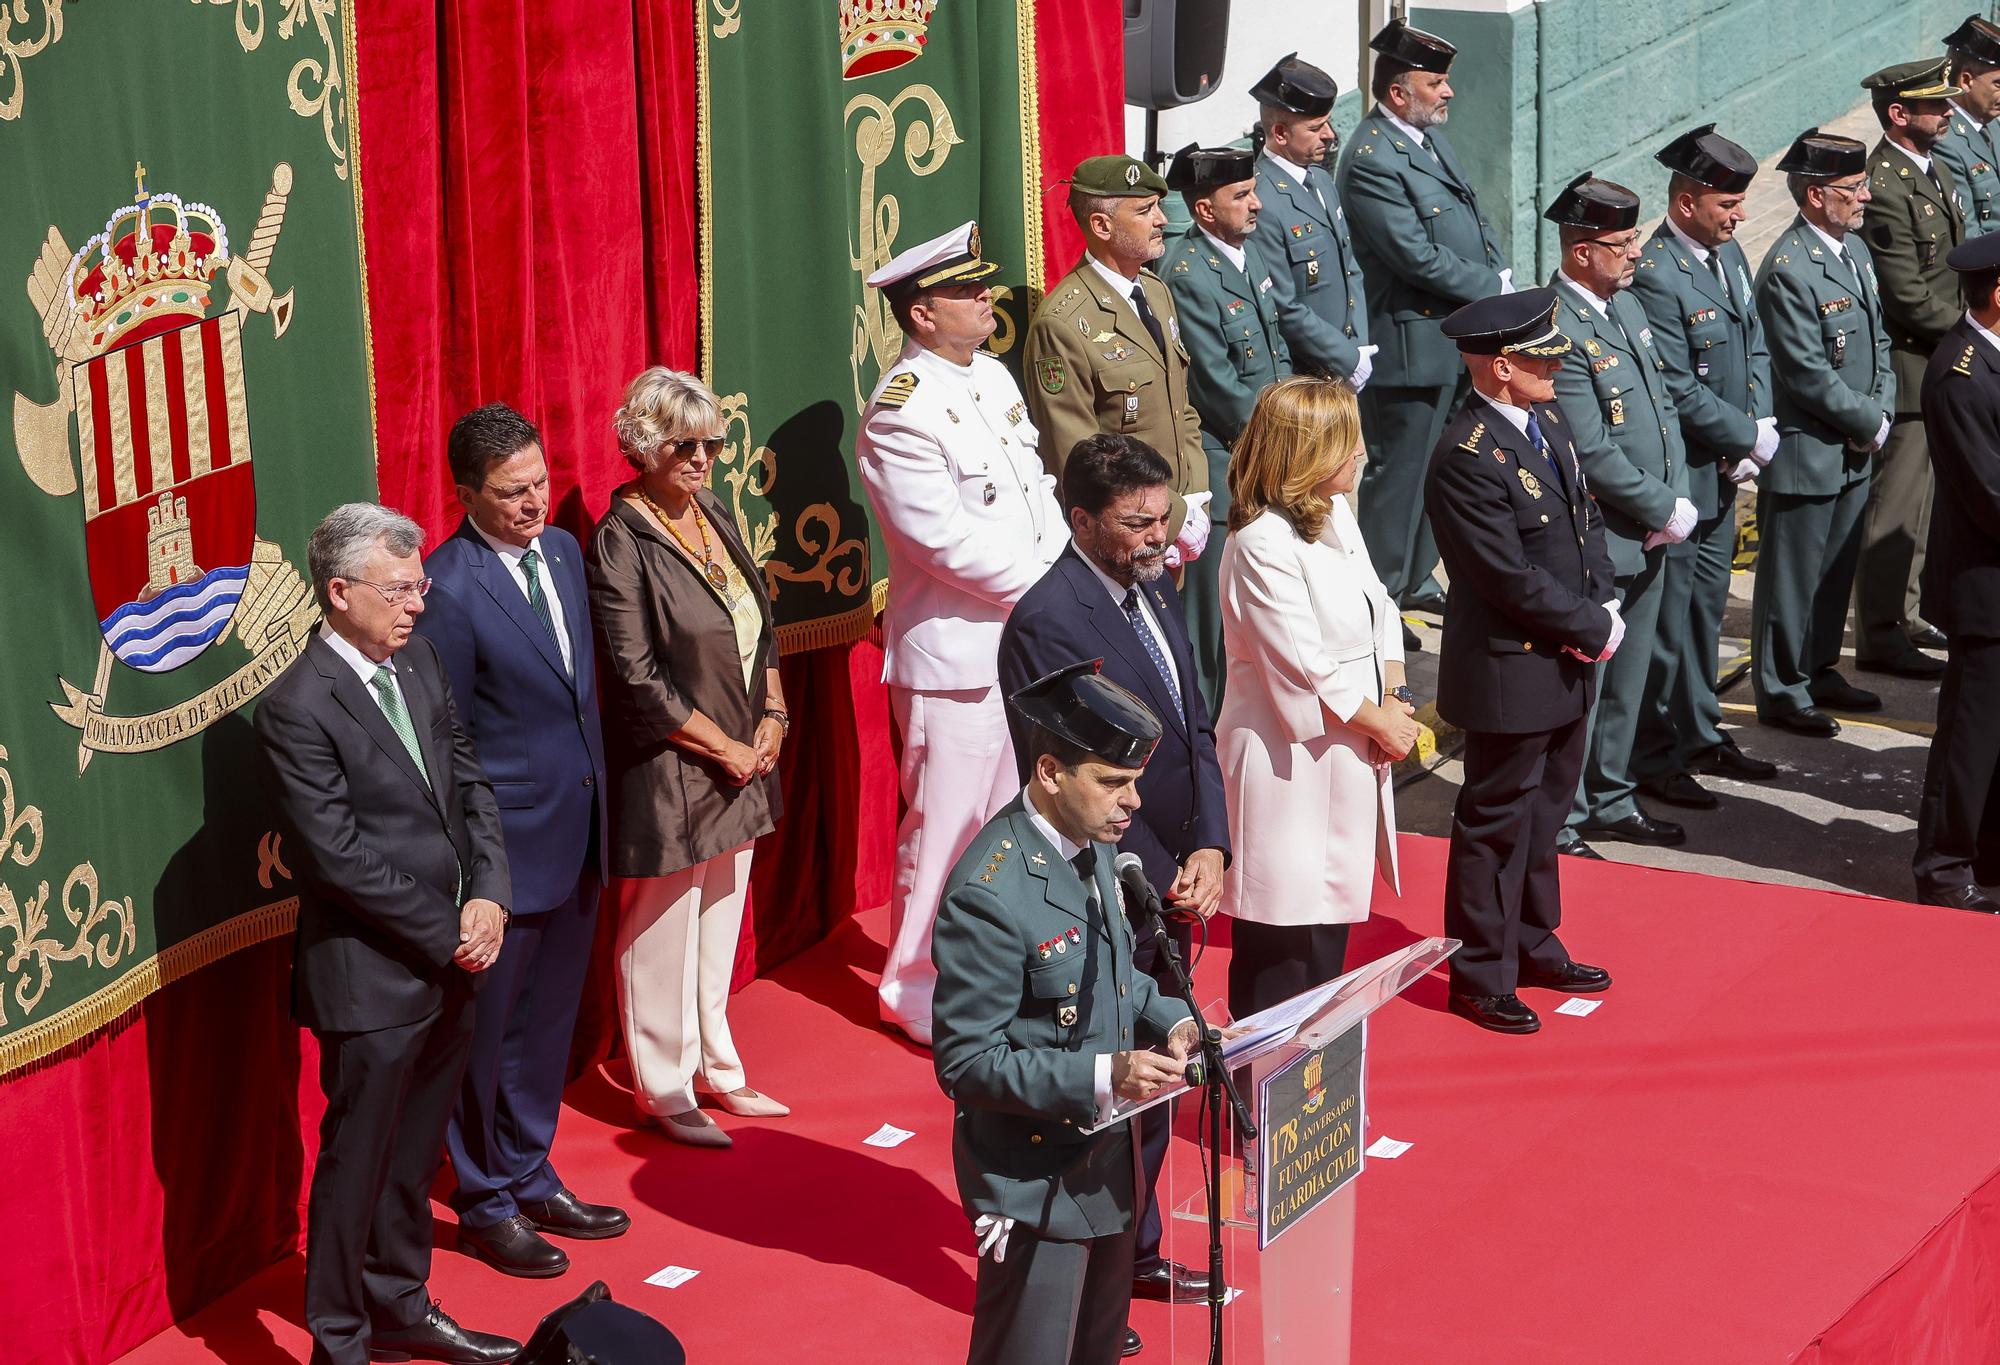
{"x":1132,"y":876}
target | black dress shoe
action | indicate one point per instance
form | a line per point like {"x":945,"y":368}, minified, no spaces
{"x":1432,"y":602}
{"x":1132,"y":1343}
{"x":513,"y":1247}
{"x":1930,"y":637}
{"x":1726,"y":760}
{"x":1578,"y":978}
{"x":1577,"y":848}
{"x":1638,"y":828}
{"x":1961,"y":898}
{"x":1171,"y":1282}
{"x":1501,"y":1013}
{"x":1413,"y":643}
{"x":1914,"y":664}
{"x":1679,"y":789}
{"x":567,"y":1216}
{"x":1807,"y":720}
{"x":1842,"y":695}
{"x":437,"y":1337}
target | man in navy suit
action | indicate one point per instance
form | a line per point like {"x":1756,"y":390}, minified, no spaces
{"x":509,"y":615}
{"x":1107,"y":596}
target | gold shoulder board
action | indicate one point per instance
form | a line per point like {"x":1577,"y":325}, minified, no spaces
{"x":897,"y":391}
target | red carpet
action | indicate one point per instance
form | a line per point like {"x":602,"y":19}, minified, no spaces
{"x":1776,"y":1141}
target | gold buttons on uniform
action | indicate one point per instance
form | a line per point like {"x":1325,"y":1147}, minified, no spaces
{"x":1121,"y":988}
{"x":1072,"y":988}
{"x":1527,"y":644}
{"x":1035,"y":1138}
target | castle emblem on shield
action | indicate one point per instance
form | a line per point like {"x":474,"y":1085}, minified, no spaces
{"x":155,"y":386}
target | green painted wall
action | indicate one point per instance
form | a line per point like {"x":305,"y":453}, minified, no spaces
{"x":1565,"y":86}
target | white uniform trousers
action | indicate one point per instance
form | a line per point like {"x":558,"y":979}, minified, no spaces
{"x":677,"y":938}
{"x":957,"y":770}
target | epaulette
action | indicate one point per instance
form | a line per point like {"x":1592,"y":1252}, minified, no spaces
{"x":1471,"y":443}
{"x":1180,"y":267}
{"x":993,"y":861}
{"x":1645,"y":263}
{"x":897,"y":391}
{"x":1059,"y":304}
{"x":1964,"y":365}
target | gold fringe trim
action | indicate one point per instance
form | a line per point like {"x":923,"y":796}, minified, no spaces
{"x":360,"y":233}
{"x":828,"y":631}
{"x":1031,"y":150}
{"x":38,"y":1041}
{"x":704,"y":196}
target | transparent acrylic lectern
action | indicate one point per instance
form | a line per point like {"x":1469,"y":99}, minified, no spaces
{"x":1288,"y":1196}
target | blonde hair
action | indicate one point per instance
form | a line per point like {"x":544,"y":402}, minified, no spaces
{"x":1301,"y":432}
{"x":662,"y":406}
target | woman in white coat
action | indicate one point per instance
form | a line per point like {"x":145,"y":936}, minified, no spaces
{"x":1316,"y":709}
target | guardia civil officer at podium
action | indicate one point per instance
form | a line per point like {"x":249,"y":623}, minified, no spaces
{"x":1039,"y":1022}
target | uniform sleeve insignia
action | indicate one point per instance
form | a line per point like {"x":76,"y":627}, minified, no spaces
{"x":897,"y":391}
{"x":1964,"y":365}
{"x":1049,"y":373}
{"x":1529,"y":482}
{"x":1471,"y":443}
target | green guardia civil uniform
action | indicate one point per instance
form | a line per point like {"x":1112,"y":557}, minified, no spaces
{"x":1316,"y":282}
{"x":1834,"y":384}
{"x":1424,"y":248}
{"x":1229,"y":323}
{"x":1613,"y":388}
{"x":1710,"y":342}
{"x":1969,"y":152}
{"x":1035,"y":982}
{"x":1912,"y":220}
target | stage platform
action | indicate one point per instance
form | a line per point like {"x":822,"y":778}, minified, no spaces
{"x":1778,"y":1140}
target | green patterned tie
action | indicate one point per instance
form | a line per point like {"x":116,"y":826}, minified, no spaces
{"x":537,"y":598}
{"x":391,"y":702}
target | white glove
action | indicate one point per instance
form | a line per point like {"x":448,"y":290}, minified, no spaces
{"x":992,"y":1234}
{"x":1193,"y":538}
{"x":1611,"y":645}
{"x":1366,"y":367}
{"x":1677,"y":528}
{"x":1507,"y":280}
{"x":1882,"y":432}
{"x":1767,"y":441}
{"x":1744,"y":470}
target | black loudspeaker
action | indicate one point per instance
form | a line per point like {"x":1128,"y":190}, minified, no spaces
{"x":1173,"y":50}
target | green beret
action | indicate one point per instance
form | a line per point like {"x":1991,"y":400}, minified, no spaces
{"x":1116,"y":177}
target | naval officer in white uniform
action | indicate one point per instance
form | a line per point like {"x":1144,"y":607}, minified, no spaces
{"x":951,"y":462}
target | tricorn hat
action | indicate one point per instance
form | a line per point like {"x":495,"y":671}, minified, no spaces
{"x":1298,"y":86}
{"x":1588,"y":202}
{"x":1823,"y":156}
{"x":1706,"y":157}
{"x":1976,"y":38}
{"x":1206,"y":168}
{"x":1413,"y":48}
{"x":1081,"y":705}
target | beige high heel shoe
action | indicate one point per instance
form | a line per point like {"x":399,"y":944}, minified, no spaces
{"x":693,"y":1127}
{"x":750,"y":1104}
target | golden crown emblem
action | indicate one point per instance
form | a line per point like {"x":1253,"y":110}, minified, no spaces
{"x":151,"y":264}
{"x":881,"y":35}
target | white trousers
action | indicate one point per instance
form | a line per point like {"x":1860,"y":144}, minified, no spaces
{"x":677,"y":939}
{"x":957,"y":770}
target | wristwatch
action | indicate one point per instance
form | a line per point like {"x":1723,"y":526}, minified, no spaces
{"x":1402,"y":693}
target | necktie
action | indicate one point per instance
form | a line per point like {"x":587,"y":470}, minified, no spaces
{"x":1151,"y":644}
{"x":1146,"y":316}
{"x":1085,"y":863}
{"x":1715,"y":264}
{"x":537,"y":598}
{"x":391,"y":702}
{"x":1542,"y":448}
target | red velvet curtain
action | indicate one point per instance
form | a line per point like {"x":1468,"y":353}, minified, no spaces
{"x":529,"y":195}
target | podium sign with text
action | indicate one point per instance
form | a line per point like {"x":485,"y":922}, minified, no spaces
{"x":1309,"y":1132}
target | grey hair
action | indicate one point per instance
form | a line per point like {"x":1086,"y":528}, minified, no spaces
{"x":663,"y":406}
{"x":340,"y":545}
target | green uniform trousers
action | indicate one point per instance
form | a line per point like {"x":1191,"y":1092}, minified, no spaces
{"x":1201,"y":603}
{"x":1894,"y":530}
{"x":1806,"y":551}
{"x":1607,"y":790}
{"x":1683,"y":715}
{"x":1402,"y":427}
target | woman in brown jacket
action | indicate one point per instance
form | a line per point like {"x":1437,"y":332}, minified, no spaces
{"x":694,"y":717}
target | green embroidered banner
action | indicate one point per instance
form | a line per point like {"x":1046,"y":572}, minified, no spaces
{"x":915,"y":115}
{"x":185,"y":341}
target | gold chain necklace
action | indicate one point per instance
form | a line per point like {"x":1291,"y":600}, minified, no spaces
{"x":711,"y":570}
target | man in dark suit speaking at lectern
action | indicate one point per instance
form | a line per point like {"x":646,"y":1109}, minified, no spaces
{"x":390,"y":827}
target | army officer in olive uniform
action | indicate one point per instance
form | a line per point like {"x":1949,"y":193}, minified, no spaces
{"x":1302,"y":231}
{"x":1968,"y":147}
{"x":1912,"y":220}
{"x":1104,"y":351}
{"x":1694,"y":284}
{"x":1835,"y":392}
{"x":1041,"y":1020}
{"x":1613,"y":387}
{"x":1425,"y":248}
{"x":1227,"y":297}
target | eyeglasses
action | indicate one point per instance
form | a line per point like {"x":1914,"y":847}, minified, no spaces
{"x":1851,"y":188}
{"x":1617,"y":244}
{"x":395,"y":594}
{"x":711,"y":446}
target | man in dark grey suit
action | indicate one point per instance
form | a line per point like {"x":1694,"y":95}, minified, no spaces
{"x":390,"y":826}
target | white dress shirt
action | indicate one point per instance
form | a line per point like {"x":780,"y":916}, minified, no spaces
{"x":1302,"y":174}
{"x":1987,"y":336}
{"x":1235,"y":255}
{"x":1409,"y":130}
{"x":363,"y":666}
{"x":1145,"y":612}
{"x":1923,"y":162}
{"x":1518,"y":416}
{"x":1834,"y":243}
{"x":1587,"y":294}
{"x":511,"y":556}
